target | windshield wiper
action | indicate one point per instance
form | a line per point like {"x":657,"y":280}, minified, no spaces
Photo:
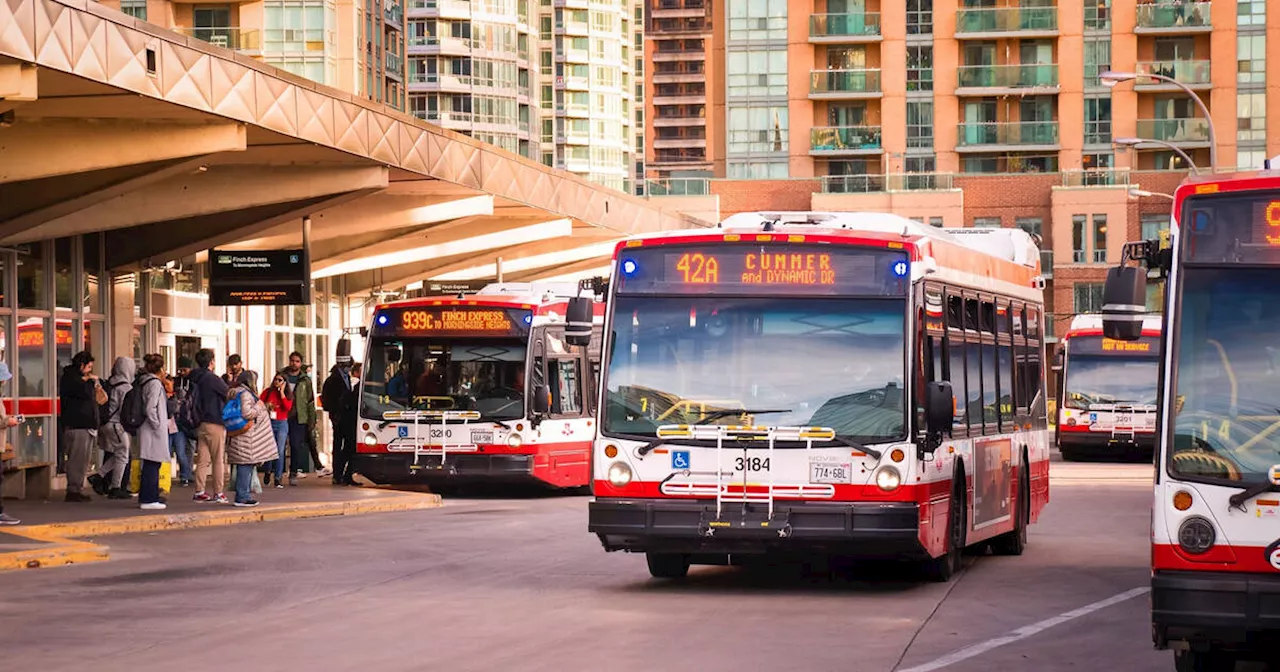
{"x":850,"y":443}
{"x":1238,"y":500}
{"x":724,"y":413}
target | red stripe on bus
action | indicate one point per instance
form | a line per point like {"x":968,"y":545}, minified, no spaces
{"x":1217,"y":559}
{"x":491,"y":449}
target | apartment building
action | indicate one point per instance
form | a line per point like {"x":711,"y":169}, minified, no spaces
{"x":963,"y":112}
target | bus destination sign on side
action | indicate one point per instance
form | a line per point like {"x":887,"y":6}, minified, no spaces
{"x":259,"y":277}
{"x":769,"y":269}
{"x":451,"y":321}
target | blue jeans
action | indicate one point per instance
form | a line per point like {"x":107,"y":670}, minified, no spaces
{"x":280,"y":428}
{"x":179,"y":447}
{"x":244,"y":483}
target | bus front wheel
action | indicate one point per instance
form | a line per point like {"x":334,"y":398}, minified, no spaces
{"x":942,"y":569}
{"x":1203,"y":661}
{"x":667,"y":565}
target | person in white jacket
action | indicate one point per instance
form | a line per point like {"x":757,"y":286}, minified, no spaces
{"x":153,"y":435}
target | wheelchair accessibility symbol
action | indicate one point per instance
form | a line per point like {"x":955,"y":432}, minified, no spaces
{"x":679,"y":459}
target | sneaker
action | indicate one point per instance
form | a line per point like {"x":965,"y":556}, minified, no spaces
{"x":185,"y":483}
{"x":325,"y":472}
{"x":221,"y":499}
{"x":201,"y":497}
{"x":301,"y":474}
{"x":99,"y":484}
{"x":154,"y":506}
{"x":251,"y":502}
{"x":78,"y":497}
{"x":120,"y":493}
{"x":279,"y":485}
{"x":6,"y":519}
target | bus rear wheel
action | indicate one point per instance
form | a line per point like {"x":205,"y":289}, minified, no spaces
{"x":667,"y":565}
{"x":1203,"y":661}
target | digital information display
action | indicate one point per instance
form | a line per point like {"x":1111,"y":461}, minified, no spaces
{"x":737,"y":268}
{"x":1232,"y":228}
{"x":1148,"y":346}
{"x":259,"y":277}
{"x":451,"y":321}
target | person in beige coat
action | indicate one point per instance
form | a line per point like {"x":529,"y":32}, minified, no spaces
{"x":252,"y":446}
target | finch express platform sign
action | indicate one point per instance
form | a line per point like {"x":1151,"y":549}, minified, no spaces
{"x":259,"y":278}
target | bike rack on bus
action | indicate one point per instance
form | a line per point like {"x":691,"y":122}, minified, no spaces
{"x":417,"y":417}
{"x":736,"y":433}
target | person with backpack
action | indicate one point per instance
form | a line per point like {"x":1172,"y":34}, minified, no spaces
{"x":112,"y":437}
{"x":80,"y":397}
{"x":146,"y":416}
{"x":250,"y":441}
{"x":203,"y":410}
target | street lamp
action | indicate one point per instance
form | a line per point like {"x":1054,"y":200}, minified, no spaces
{"x":1134,"y":142}
{"x":1111,"y":78}
{"x":1143,"y":193}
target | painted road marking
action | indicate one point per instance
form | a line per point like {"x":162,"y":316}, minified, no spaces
{"x":1026,"y":631}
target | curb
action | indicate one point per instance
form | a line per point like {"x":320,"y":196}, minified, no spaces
{"x":67,"y":549}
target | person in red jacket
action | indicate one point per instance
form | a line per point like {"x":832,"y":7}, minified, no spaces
{"x":278,"y":405}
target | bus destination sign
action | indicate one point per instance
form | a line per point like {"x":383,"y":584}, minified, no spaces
{"x":755,"y":269}
{"x":451,"y":321}
{"x":1097,"y":345}
{"x":259,"y":277}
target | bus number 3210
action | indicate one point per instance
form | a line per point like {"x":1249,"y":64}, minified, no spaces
{"x":751,"y":464}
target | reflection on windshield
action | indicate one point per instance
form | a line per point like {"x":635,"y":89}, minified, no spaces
{"x":832,"y":363}
{"x":1227,"y":405}
{"x":1102,"y":381}
{"x":466,"y":375}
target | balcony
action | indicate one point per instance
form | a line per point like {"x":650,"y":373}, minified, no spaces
{"x":919,"y":181}
{"x":678,"y":186}
{"x":1009,"y":135}
{"x":985,"y":80}
{"x":995,"y":22}
{"x":844,"y":28}
{"x":844,"y":84}
{"x":1190,"y":132}
{"x":853,"y":184}
{"x":1195,"y":74}
{"x":244,"y":40}
{"x":663,"y":9}
{"x":844,"y":140}
{"x":1162,"y":18}
{"x":1096,"y":177}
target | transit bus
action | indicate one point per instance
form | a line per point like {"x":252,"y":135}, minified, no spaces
{"x":1215,"y":532}
{"x":1107,"y":389}
{"x":445,"y":399}
{"x":852,"y":384}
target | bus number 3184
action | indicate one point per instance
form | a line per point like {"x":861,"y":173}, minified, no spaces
{"x":751,"y":464}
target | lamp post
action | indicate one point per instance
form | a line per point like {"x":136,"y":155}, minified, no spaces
{"x":1134,"y":142}
{"x":1111,"y":78}
{"x":1143,"y":193}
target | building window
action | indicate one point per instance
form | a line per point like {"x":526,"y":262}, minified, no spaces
{"x":1251,"y":12}
{"x":919,"y":68}
{"x":1251,"y":50}
{"x":920,"y":124}
{"x":1097,"y":15}
{"x":1032,"y":225}
{"x":1078,"y":224}
{"x":1251,"y":116}
{"x":935,"y":222}
{"x":757,"y":129}
{"x":1250,"y":159}
{"x":135,"y":8}
{"x":757,"y":20}
{"x":1153,"y":224}
{"x":757,"y":74}
{"x":1088,"y":297}
{"x":921,"y":164}
{"x":1097,"y":59}
{"x":919,"y":17}
{"x":1097,"y":121}
{"x":986,"y":222}
{"x":1099,"y":239}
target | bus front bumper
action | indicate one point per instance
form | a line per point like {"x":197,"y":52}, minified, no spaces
{"x":1226,"y":609}
{"x":1106,"y":440}
{"x":459,"y":468}
{"x":883,"y":530}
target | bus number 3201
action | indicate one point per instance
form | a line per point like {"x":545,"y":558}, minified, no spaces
{"x":751,"y":464}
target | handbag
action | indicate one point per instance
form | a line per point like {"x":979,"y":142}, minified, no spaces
{"x":99,"y":394}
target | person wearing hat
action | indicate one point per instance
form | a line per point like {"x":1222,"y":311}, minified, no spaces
{"x":336,"y":388}
{"x":6,"y":422}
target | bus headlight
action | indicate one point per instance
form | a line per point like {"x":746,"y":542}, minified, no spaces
{"x":619,"y":474}
{"x":370,"y":439}
{"x":888,"y":479}
{"x":514,"y":440}
{"x":1196,"y":535}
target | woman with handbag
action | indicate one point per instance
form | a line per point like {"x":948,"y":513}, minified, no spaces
{"x":250,"y":441}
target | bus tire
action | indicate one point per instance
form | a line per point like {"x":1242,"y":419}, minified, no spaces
{"x":1069,"y":454}
{"x":1203,"y":661}
{"x":940,"y":570}
{"x":667,"y":565}
{"x":1015,"y":542}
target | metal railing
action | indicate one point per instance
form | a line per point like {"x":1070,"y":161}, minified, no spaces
{"x":844,"y":81}
{"x":1164,"y":15}
{"x":1008,"y":133}
{"x":229,"y":37}
{"x":1187,"y":72}
{"x":1008,"y":76}
{"x":678,"y":186}
{"x":1096,"y":177}
{"x":852,"y":184}
{"x":844,"y":138}
{"x":1190,"y":129}
{"x":855,"y":24}
{"x":1006,"y":19}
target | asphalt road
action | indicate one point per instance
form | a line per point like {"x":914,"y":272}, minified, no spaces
{"x":518,"y":584}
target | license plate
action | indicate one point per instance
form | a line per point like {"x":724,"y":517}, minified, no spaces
{"x":830,"y":473}
{"x":480,"y":438}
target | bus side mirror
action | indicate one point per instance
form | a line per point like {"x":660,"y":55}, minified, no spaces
{"x":939,"y":407}
{"x":577,"y":329}
{"x":542,"y":400}
{"x":1124,"y":303}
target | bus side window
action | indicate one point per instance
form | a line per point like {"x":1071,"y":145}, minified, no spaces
{"x":955,"y":353}
{"x":565,"y":377}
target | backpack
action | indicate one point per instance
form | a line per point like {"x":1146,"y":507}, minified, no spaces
{"x":188,"y":419}
{"x":233,"y":417}
{"x":133,"y":410}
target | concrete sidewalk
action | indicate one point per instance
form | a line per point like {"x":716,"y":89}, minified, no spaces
{"x":55,"y":532}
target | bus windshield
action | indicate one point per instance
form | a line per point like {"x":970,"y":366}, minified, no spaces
{"x":1227,"y":401}
{"x":484,"y":375}
{"x":771,"y":361}
{"x":1096,"y":382}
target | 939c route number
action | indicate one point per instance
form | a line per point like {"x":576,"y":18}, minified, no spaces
{"x":751,"y":464}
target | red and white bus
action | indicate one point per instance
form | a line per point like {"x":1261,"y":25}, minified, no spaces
{"x":838,"y":383}
{"x":1107,"y":389}
{"x":445,"y":399}
{"x":1215,"y":532}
